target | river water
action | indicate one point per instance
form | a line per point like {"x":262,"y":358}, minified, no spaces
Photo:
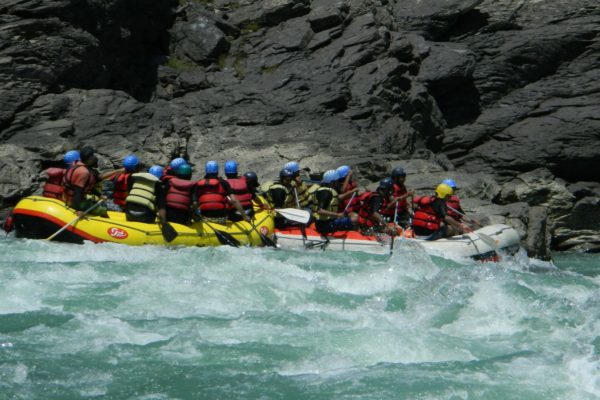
{"x":117,"y":322}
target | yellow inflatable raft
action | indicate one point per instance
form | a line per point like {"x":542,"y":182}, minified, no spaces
{"x":37,"y":217}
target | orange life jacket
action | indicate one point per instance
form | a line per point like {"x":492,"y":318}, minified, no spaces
{"x":424,"y":216}
{"x":211,"y":195}
{"x":53,"y":187}
{"x":69,"y":187}
{"x":454,"y":202}
{"x":240,"y":189}
{"x":121,"y":189}
{"x":179,"y":194}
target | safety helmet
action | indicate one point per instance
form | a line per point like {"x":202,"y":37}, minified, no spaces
{"x":343,"y":171}
{"x":184,"y":171}
{"x":251,"y":177}
{"x":286,"y":173}
{"x":450,"y":182}
{"x":177,"y":162}
{"x":130,"y":162}
{"x":231,"y":167}
{"x":71,"y":156}
{"x":156,"y":170}
{"x":385,"y":184}
{"x":397,"y":172}
{"x":330,"y":176}
{"x":442,"y":190}
{"x":292,"y":166}
{"x":212,"y":167}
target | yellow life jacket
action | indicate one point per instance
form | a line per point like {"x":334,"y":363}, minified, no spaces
{"x":143,"y":190}
{"x":333,"y":204}
{"x":302,"y":193}
{"x":289,"y":196}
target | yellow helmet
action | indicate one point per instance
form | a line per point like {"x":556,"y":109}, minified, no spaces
{"x":443,"y":190}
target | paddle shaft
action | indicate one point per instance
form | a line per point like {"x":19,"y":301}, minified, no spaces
{"x":302,"y":227}
{"x":349,"y":202}
{"x":55,"y":234}
{"x":392,"y":237}
{"x":265,"y":240}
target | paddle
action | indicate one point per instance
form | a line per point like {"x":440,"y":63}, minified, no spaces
{"x":349,"y":202}
{"x":169,"y":233}
{"x":266,"y":241}
{"x":294,"y":214}
{"x":393,"y":236}
{"x":484,"y":238}
{"x":302,"y":225}
{"x":223,"y":237}
{"x":55,"y":234}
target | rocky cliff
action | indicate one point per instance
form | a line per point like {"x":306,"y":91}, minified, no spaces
{"x":501,"y":95}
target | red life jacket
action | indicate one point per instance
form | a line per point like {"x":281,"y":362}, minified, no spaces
{"x":454,"y":202}
{"x":402,"y":204}
{"x":424,"y":216}
{"x":240,"y":189}
{"x":211,"y":195}
{"x":365,"y":209}
{"x":121,"y":189}
{"x":53,"y":187}
{"x":69,"y":188}
{"x":179,"y":194}
{"x":354,"y":204}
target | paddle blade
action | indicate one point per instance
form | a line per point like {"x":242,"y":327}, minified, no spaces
{"x":226,"y":238}
{"x":294,"y":214}
{"x":169,"y":233}
{"x":488,"y":240}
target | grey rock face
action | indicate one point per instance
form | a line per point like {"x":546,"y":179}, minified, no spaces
{"x":502,"y":97}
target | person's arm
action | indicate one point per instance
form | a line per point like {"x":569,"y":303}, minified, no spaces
{"x":324,"y":199}
{"x":110,"y":174}
{"x":161,"y":202}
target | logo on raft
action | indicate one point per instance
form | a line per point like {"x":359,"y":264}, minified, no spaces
{"x":117,"y":233}
{"x":264,"y":230}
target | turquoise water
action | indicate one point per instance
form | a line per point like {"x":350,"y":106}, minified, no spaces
{"x":116,"y":322}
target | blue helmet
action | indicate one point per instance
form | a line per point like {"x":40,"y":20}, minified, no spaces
{"x":156,"y":170}
{"x":398,"y":171}
{"x":343,"y":171}
{"x":450,"y":182}
{"x":71,"y":156}
{"x":292,"y":166}
{"x":286,"y":173}
{"x":386,"y":184}
{"x":231,"y":167}
{"x":130,"y":163}
{"x":331,"y":176}
{"x":212,"y":167}
{"x":177,"y":162}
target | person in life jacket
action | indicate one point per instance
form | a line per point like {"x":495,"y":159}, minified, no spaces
{"x":53,"y":187}
{"x":453,"y":203}
{"x":215,"y":197}
{"x":349,"y":199}
{"x":259,"y":202}
{"x":179,"y":188}
{"x":80,"y":180}
{"x":431,"y":215}
{"x":369,"y":216}
{"x":117,"y":186}
{"x":301,"y":194}
{"x":328,"y":218}
{"x":280,"y":195}
{"x":399,"y":200}
{"x":239,"y":187}
{"x":146,"y":198}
